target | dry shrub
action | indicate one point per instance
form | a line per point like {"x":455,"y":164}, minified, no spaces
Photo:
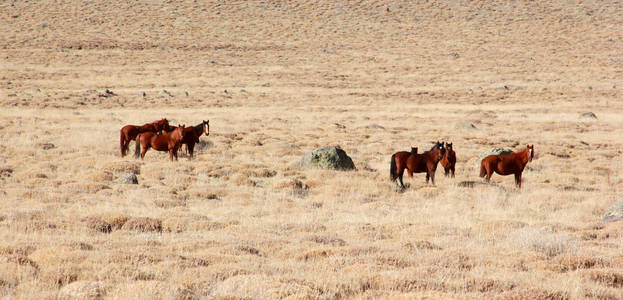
{"x":573,"y":262}
{"x":29,"y":221}
{"x":97,"y":224}
{"x":149,"y":289}
{"x":503,"y":225}
{"x":453,"y":260}
{"x":83,"y":290}
{"x":191,"y":224}
{"x":611,"y":278}
{"x":60,"y":276}
{"x":143,"y":224}
{"x":421,"y":245}
{"x":116,"y":221}
{"x":327,"y":240}
{"x":315,"y":254}
{"x":395,"y":260}
{"x":259,"y":287}
{"x":101,"y":176}
{"x":86,"y":187}
{"x":241,"y":179}
{"x":248,"y":249}
{"x":534,"y":293}
{"x":166,"y":204}
{"x":542,"y":241}
{"x":192,"y":262}
{"x":81,"y":246}
{"x":121,"y":167}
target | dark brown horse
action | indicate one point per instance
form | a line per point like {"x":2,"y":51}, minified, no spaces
{"x":129,"y":132}
{"x":416,"y":163}
{"x":192,"y":134}
{"x":449,"y":160}
{"x":167,"y":141}
{"x":513,"y":163}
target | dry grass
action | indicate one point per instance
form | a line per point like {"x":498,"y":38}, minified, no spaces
{"x":279,"y":79}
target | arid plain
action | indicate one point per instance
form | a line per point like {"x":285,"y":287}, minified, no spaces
{"x":278,"y":79}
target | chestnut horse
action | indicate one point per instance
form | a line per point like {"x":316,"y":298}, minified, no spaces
{"x":513,"y":163}
{"x":449,"y":160}
{"x":192,"y":134}
{"x":416,"y":163}
{"x":167,"y":141}
{"x":129,"y":132}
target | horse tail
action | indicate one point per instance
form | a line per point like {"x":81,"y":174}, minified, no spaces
{"x":121,"y":142}
{"x":483,"y":172}
{"x":392,"y":168}
{"x":137,"y":149}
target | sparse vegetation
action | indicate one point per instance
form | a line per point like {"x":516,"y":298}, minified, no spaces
{"x":277,"y":80}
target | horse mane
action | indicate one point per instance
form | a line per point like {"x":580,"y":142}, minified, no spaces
{"x":198,"y":128}
{"x":433,"y":148}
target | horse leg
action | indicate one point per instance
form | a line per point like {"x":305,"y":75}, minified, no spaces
{"x":446,"y":171}
{"x":518,"y":180}
{"x":427,"y":177}
{"x":143,"y":151}
{"x":191,"y":149}
{"x":489,"y":174}
{"x":121,"y":144}
{"x":452,"y":170}
{"x":400,"y":173}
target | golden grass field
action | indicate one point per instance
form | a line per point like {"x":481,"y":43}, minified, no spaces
{"x":274,"y":78}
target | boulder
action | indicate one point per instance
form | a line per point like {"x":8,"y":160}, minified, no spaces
{"x":614,"y":213}
{"x":83,"y":290}
{"x":465,"y":125}
{"x":126,"y":178}
{"x":588,"y":115}
{"x":330,"y":158}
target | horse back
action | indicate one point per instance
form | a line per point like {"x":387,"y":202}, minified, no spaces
{"x":418,"y":163}
{"x":504,"y":164}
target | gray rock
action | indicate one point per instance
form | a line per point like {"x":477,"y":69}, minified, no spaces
{"x":374,"y":126}
{"x":588,"y":115}
{"x":127,"y":178}
{"x":186,"y":94}
{"x":614,"y":213}
{"x":167,"y":93}
{"x":330,"y":158}
{"x":465,"y":125}
{"x":493,"y":151}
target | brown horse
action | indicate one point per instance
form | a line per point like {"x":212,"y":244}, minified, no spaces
{"x":449,"y":160}
{"x":513,"y":163}
{"x":192,"y":134}
{"x":129,"y":132}
{"x":167,"y":141}
{"x":416,"y":163}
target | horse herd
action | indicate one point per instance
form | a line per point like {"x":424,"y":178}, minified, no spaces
{"x":414,"y":162}
{"x":160,"y":136}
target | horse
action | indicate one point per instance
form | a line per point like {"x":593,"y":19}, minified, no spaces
{"x":192,"y":134}
{"x":449,"y":160}
{"x":167,"y":141}
{"x":129,"y":132}
{"x":416,"y":163}
{"x":513,"y":163}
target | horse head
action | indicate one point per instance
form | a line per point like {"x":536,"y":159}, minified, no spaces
{"x":164,"y":125}
{"x":438,"y":151}
{"x":178,"y":132}
{"x":448,"y":146}
{"x":206,"y":127}
{"x":530,"y":149}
